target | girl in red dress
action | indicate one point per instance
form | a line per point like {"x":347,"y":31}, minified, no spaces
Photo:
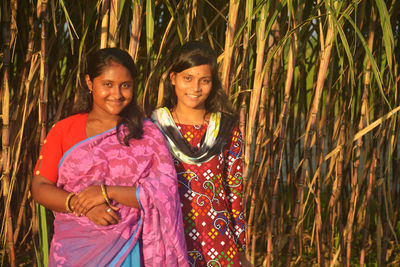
{"x":108,"y":176}
{"x":204,"y":139}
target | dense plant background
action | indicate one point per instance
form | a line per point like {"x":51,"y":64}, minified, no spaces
{"x":315,"y":83}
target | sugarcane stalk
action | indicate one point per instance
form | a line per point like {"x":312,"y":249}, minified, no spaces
{"x":325,"y":58}
{"x":271,"y":83}
{"x":359,"y":142}
{"x":283,"y":117}
{"x":43,"y":99}
{"x":7,"y":226}
{"x":28,"y":55}
{"x":254,"y":181}
{"x":264,"y":168}
{"x":190,"y":13}
{"x":137,"y":7}
{"x":252,"y":223}
{"x":320,"y":143}
{"x":163,"y":76}
{"x":105,"y":23}
{"x":254,"y":174}
{"x":371,"y":182}
{"x":271,"y":232}
{"x":13,"y":26}
{"x":25,"y":82}
{"x":245,"y":43}
{"x":244,"y":82}
{"x":113,"y":30}
{"x":257,"y":170}
{"x":379,"y":228}
{"x":281,"y":139}
{"x":149,"y":29}
{"x":229,"y":45}
{"x":387,"y":202}
{"x":22,"y":209}
{"x":256,"y":92}
{"x":33,"y":69}
{"x":317,"y":200}
{"x":353,"y":201}
{"x":242,"y":123}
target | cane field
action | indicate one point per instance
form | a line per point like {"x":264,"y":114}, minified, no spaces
{"x":316,"y":85}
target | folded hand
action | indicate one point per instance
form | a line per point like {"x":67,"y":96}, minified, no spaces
{"x":87,"y":199}
{"x":103,"y":215}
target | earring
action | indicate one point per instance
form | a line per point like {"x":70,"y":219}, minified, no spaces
{"x":90,"y":91}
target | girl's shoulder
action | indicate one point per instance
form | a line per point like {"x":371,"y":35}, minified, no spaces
{"x":152,"y":136}
{"x":71,"y":121}
{"x":71,"y":129}
{"x":150,"y":129}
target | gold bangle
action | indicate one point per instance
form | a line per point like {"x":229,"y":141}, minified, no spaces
{"x":67,"y":200}
{"x":103,"y":190}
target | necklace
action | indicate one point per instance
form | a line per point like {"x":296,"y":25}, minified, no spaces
{"x":196,"y":126}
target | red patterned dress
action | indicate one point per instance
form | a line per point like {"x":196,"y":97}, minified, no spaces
{"x":211,"y":200}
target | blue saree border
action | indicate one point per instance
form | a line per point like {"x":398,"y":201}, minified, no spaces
{"x":81,"y":142}
{"x":133,"y":258}
{"x":88,"y":139}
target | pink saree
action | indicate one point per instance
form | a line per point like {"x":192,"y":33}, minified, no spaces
{"x":150,"y":236}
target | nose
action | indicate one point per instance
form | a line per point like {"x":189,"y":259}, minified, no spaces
{"x":116,"y":92}
{"x":197,"y":86}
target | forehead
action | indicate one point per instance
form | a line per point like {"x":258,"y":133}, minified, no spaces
{"x":115,"y":71}
{"x":201,"y":70}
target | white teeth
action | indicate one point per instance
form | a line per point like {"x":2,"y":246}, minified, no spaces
{"x":194,"y":96}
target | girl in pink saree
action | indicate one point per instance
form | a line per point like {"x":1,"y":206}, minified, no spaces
{"x":109,"y":178}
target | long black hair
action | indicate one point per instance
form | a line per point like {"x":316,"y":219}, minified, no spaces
{"x":192,"y":54}
{"x":131,"y":116}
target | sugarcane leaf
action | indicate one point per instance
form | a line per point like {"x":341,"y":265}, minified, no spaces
{"x":149,"y":27}
{"x":375,"y":69}
{"x":387,"y":31}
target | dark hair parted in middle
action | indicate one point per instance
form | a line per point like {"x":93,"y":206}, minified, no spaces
{"x":192,"y":54}
{"x":131,"y":116}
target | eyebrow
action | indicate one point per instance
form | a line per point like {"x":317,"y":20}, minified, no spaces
{"x":127,"y":81}
{"x":190,"y":74}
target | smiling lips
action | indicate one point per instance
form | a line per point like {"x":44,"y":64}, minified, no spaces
{"x":193,"y":96}
{"x":118,"y":101}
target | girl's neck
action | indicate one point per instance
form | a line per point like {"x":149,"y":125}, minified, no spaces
{"x":98,"y":123}
{"x":189,"y":116}
{"x":102,"y":116}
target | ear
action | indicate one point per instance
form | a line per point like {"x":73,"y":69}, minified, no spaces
{"x":172,"y":77}
{"x":89,"y":82}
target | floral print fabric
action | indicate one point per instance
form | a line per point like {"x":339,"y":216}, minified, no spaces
{"x":211,"y":199}
{"x":145,"y":164}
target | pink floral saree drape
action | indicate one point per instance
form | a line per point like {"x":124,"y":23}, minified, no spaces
{"x":153,"y":233}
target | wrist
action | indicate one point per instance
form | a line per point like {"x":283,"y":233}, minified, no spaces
{"x":73,"y":202}
{"x":110,"y":193}
{"x":68,"y":203}
{"x":106,"y":194}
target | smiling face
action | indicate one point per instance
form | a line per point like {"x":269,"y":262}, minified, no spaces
{"x":112,"y":90}
{"x":192,"y":87}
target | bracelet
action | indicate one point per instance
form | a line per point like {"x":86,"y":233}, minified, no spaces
{"x":103,"y":190}
{"x":67,"y":200}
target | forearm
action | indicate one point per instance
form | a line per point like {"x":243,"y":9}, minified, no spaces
{"x":49,"y":195}
{"x":125,"y":195}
